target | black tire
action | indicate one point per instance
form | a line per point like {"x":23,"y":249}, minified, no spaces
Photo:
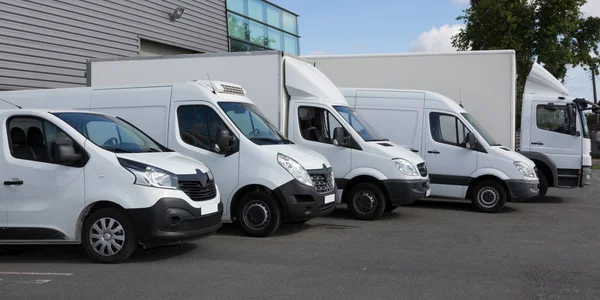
{"x":543,"y":184}
{"x":366,"y":201}
{"x":125,"y":237}
{"x":389,"y":208}
{"x":481,"y":193}
{"x":258,"y":214}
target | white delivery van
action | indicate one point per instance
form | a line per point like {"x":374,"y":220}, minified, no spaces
{"x":463,"y":160}
{"x":484,"y":83}
{"x":264,"y":178}
{"x":94,"y":179}
{"x":372,"y":174}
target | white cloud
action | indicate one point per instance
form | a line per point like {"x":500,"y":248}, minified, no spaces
{"x":591,"y":8}
{"x":436,"y":40}
{"x":460,"y":2}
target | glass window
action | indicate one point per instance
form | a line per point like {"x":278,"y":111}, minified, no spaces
{"x":256,"y":10}
{"x":447,"y":129}
{"x":239,"y":46}
{"x":274,"y":16}
{"x":486,"y":136}
{"x":360,"y":126}
{"x":237,"y":6}
{"x":584,"y":124}
{"x":249,"y":120}
{"x":198,"y":126}
{"x":317,"y":124}
{"x":111,"y":133}
{"x":275,"y":39}
{"x":238,"y":27}
{"x":258,"y":33}
{"x":553,"y":119}
{"x":289,"y":23}
{"x":291,"y":44}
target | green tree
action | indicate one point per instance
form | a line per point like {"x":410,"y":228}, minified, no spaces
{"x":550,"y":32}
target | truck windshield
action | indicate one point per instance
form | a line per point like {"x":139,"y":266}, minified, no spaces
{"x":486,"y":136}
{"x":584,"y":124}
{"x":111,"y":133}
{"x":249,"y":120}
{"x":360,"y":126}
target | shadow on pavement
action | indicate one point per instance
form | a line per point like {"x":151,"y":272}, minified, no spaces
{"x":344,"y":214}
{"x":229,"y":229}
{"x":454,"y":205}
{"x":546,"y":199}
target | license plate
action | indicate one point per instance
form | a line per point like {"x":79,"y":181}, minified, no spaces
{"x":427,"y":193}
{"x":209,"y":209}
{"x":329,"y":198}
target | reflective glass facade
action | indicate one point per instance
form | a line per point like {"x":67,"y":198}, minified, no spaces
{"x":259,"y":25}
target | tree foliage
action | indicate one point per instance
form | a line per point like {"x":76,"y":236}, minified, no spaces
{"x":550,"y":32}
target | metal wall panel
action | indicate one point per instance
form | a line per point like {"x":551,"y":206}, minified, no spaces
{"x":45,"y":44}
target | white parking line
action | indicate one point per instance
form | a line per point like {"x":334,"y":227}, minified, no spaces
{"x":36,"y":273}
{"x":37,"y":281}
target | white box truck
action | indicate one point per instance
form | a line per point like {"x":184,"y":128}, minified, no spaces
{"x":484,"y":84}
{"x":373,"y":175}
{"x":263,"y":178}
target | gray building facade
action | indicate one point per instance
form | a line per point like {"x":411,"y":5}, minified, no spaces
{"x":45,"y":43}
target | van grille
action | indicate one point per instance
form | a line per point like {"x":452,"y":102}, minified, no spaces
{"x":196,"y":192}
{"x":422,"y":169}
{"x":230,"y":89}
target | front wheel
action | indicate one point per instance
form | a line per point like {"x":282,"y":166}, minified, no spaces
{"x":543,"y":184}
{"x":366,"y":201}
{"x":258,"y":214}
{"x":108,"y":236}
{"x":489,"y":196}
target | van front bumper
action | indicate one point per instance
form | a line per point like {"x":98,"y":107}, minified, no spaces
{"x":402,"y":192}
{"x":521,"y":190}
{"x":172,"y":221}
{"x":302,"y":202}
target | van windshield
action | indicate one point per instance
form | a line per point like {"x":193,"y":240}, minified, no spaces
{"x":486,"y":136}
{"x":111,"y":133}
{"x":360,"y":126}
{"x":249,"y":120}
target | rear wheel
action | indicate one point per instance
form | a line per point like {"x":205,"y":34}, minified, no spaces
{"x":366,"y":201}
{"x":543,"y":184}
{"x":488,"y":196}
{"x":108,"y":236}
{"x":258,"y":214}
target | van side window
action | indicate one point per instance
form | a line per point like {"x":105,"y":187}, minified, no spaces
{"x":32,"y":138}
{"x":556,"y":120}
{"x":447,"y":129}
{"x":317,"y":124}
{"x":198,"y":126}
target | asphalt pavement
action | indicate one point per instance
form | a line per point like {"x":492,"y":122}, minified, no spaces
{"x":542,"y":249}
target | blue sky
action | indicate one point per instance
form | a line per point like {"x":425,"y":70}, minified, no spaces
{"x":384,"y":26}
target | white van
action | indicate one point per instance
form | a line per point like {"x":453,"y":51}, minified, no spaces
{"x":264,"y":178}
{"x":463,"y":160}
{"x":93,"y":179}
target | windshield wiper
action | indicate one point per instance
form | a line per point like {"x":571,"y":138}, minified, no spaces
{"x":379,"y":140}
{"x":270,"y":140}
{"x":153,"y":150}
{"x":119,"y":150}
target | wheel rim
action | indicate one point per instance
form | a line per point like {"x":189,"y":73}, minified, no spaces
{"x":488,"y":197}
{"x":365,"y":202}
{"x":107,"y":236}
{"x":257,"y":215}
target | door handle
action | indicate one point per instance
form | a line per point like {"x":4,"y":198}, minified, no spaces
{"x":434,"y":152}
{"x":414,"y":150}
{"x":537,"y":143}
{"x":14,"y":182}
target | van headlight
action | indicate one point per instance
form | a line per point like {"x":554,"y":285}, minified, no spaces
{"x":406,"y":167}
{"x":525,"y":169}
{"x":294,"y":168}
{"x":150,"y":176}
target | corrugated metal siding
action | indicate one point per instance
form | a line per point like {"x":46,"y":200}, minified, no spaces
{"x":45,"y":43}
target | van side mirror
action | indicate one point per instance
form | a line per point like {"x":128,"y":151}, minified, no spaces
{"x":63,"y":151}
{"x":339,"y":138}
{"x":471,"y":141}
{"x":224,"y":141}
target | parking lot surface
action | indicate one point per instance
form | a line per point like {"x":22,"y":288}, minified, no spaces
{"x":429,"y":250}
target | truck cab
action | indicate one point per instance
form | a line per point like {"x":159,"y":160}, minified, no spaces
{"x":372,"y":173}
{"x":464,"y":161}
{"x":554,"y":132}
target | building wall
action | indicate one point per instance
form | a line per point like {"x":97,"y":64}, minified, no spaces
{"x":45,"y":44}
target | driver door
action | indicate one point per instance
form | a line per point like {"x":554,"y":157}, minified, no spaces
{"x":195,"y":132}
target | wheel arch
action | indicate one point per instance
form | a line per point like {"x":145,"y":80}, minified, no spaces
{"x":239,"y":194}
{"x":484,"y":178}
{"x":90,"y":209}
{"x":545,"y":165}
{"x":365,"y":178}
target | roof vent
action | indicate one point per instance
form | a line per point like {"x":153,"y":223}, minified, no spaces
{"x":232,"y":89}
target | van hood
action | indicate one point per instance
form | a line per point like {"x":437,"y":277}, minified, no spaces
{"x":173,"y":162}
{"x":308,"y":158}
{"x":510,"y":155}
{"x":392,"y":150}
